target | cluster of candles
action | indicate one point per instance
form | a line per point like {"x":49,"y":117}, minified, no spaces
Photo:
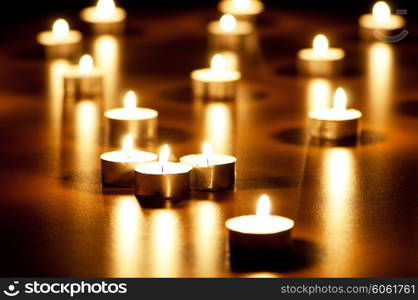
{"x":154,"y":176}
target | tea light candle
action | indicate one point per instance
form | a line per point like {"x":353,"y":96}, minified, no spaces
{"x":242,"y":9}
{"x":320,"y":60}
{"x":162,"y":179}
{"x":83,"y":81}
{"x":216,"y":82}
{"x":260,"y":232}
{"x":61,"y":41}
{"x":140,"y":122}
{"x":210,"y":171}
{"x":337,"y":122}
{"x":228,"y":33}
{"x":380,"y":21}
{"x":105,"y":17}
{"x":118,"y":166}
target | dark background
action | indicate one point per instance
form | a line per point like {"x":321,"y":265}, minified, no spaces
{"x":18,"y":11}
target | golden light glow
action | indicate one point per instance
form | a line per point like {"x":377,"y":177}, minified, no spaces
{"x":128,"y":144}
{"x":241,"y":3}
{"x":164,"y":155}
{"x":105,"y":8}
{"x":381,"y":11}
{"x":130,"y":101}
{"x":60,"y":29}
{"x":320,"y":44}
{"x":340,"y":100}
{"x":217,"y":63}
{"x":263,"y":206}
{"x":228,"y":23}
{"x":86,"y":65}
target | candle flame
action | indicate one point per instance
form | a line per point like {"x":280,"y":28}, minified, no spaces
{"x":217,"y":63}
{"x":164,"y":155}
{"x":130,"y":100}
{"x":228,"y":23}
{"x":340,"y":100}
{"x":86,"y":65}
{"x":207,"y":149}
{"x":381,"y":11}
{"x":60,"y":29}
{"x":320,"y":44}
{"x":105,"y":8}
{"x":207,"y":152}
{"x":263,"y":206}
{"x":241,"y":3}
{"x":128,"y":144}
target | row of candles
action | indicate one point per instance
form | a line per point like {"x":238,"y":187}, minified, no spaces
{"x":154,"y":176}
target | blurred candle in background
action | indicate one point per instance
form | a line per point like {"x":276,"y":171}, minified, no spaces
{"x":215,"y":83}
{"x":83,"y":81}
{"x":381,"y":23}
{"x":246,"y":10}
{"x":61,"y":41}
{"x":320,"y":60}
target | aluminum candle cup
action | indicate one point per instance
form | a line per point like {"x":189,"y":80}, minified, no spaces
{"x":215,"y":83}
{"x":118,"y":167}
{"x":335,"y":123}
{"x":228,"y":34}
{"x":105,"y":17}
{"x":245,"y":10}
{"x":380,"y":23}
{"x":83,"y":81}
{"x":321,"y":61}
{"x":61,"y":41}
{"x":153,"y":182}
{"x":140,"y":123}
{"x":216,"y":172}
{"x":260,"y":232}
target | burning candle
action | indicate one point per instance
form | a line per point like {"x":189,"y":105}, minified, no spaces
{"x":260,"y":232}
{"x":320,"y":60}
{"x":139,"y":122}
{"x":118,"y":166}
{"x":228,"y":33}
{"x":105,"y":17}
{"x":61,"y":41}
{"x":242,"y":9}
{"x":380,"y":21}
{"x":216,"y":82}
{"x":83,"y":81}
{"x":162,"y":179}
{"x":337,"y":122}
{"x":210,"y":171}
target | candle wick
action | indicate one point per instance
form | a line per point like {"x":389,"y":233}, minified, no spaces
{"x":162,"y":168}
{"x":207,"y":160}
